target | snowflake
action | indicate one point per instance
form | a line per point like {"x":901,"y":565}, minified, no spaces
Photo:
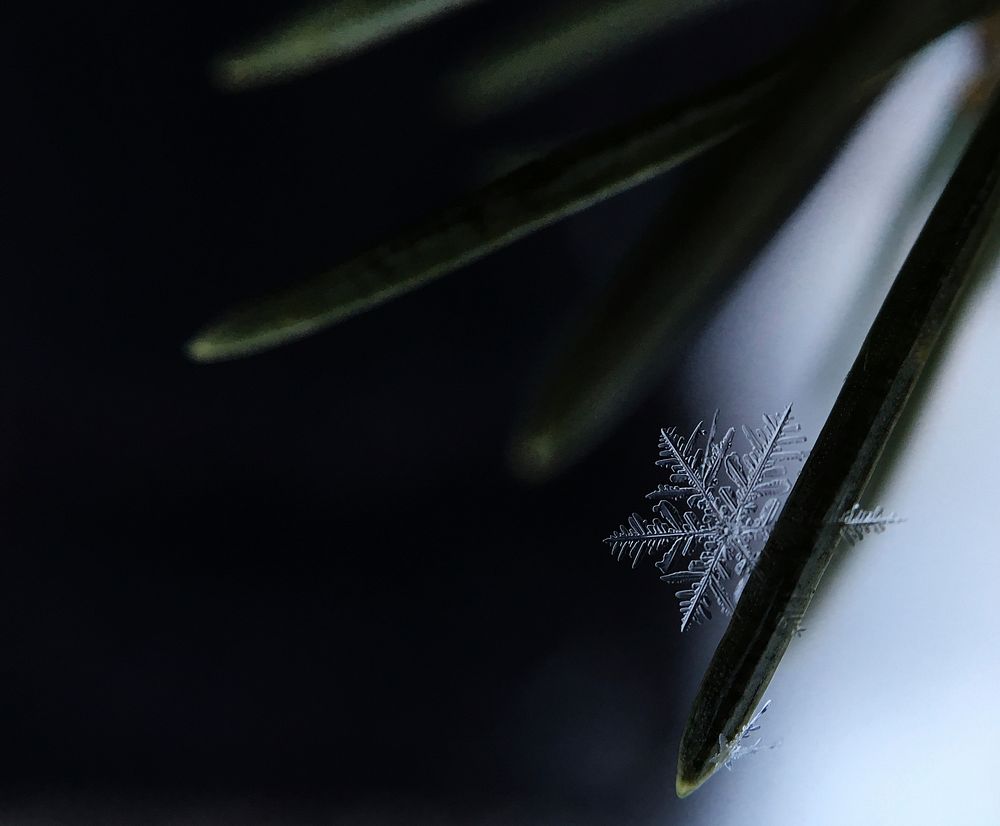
{"x":738,"y":748}
{"x":719,"y":506}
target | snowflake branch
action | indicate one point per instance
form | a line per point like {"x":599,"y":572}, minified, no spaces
{"x":707,"y":575}
{"x":693,"y":471}
{"x":642,"y":536}
{"x":758,"y":474}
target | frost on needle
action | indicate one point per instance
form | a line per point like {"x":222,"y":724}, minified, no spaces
{"x":740,"y":746}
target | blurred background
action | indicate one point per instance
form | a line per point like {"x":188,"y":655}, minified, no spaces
{"x":305,"y":587}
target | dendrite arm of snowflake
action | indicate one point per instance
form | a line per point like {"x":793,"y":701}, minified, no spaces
{"x":761,"y":473}
{"x":693,"y":470}
{"x":670,"y":532}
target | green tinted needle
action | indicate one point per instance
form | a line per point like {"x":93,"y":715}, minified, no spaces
{"x":571,"y":41}
{"x":562,"y":183}
{"x":806,"y":534}
{"x":323,"y":34}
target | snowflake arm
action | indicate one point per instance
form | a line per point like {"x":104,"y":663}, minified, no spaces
{"x":761,"y":473}
{"x":671,"y":531}
{"x":705,"y":578}
{"x":693,"y":470}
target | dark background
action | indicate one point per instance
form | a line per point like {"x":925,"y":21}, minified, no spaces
{"x":308,"y":579}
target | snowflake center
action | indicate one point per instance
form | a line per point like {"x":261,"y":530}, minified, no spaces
{"x":731,"y":530}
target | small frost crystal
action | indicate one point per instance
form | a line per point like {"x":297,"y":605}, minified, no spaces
{"x":740,"y":746}
{"x":717,"y":509}
{"x":858,"y":523}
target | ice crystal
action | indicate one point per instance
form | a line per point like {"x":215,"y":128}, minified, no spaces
{"x":739,"y":747}
{"x":858,"y":523}
{"x":717,"y":509}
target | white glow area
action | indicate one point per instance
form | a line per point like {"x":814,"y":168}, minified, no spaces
{"x":780,"y":336}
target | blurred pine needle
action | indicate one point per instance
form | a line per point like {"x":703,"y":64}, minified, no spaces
{"x":323,"y":34}
{"x":554,"y":51}
{"x":541,"y":192}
